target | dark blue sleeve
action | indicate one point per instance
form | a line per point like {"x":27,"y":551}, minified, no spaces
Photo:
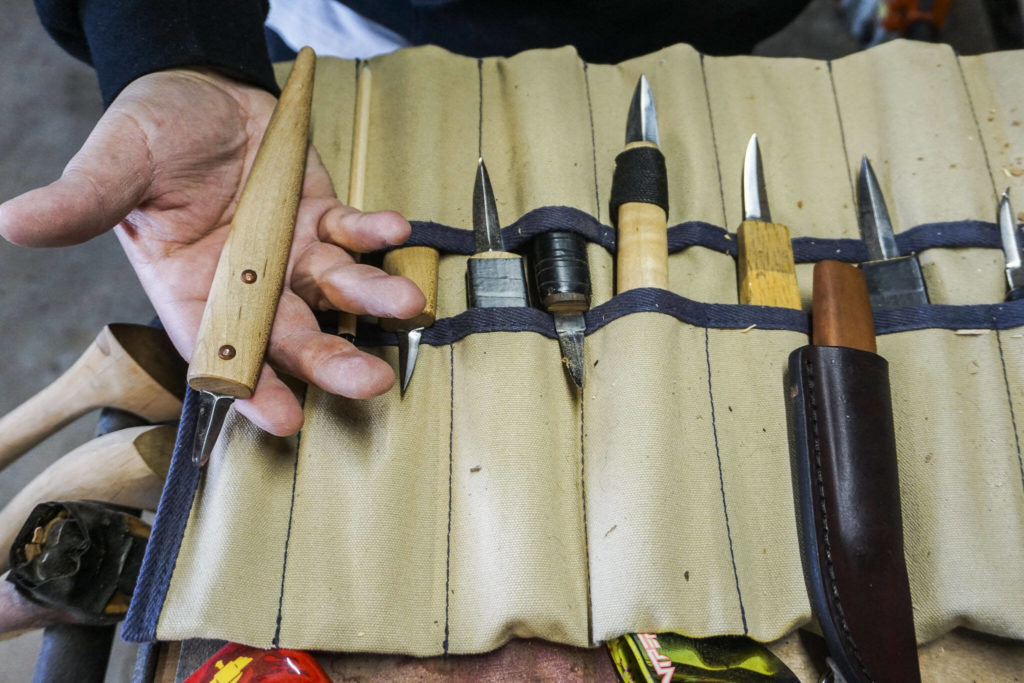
{"x":125,"y":39}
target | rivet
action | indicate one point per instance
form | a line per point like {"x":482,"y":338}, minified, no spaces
{"x":248,"y":276}
{"x":226,"y":352}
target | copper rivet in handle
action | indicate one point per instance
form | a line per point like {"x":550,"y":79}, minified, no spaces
{"x":248,"y":276}
{"x":226,"y":352}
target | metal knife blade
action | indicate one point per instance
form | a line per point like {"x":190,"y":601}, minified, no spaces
{"x":486,"y":228}
{"x":875,"y":226}
{"x":893,"y":280}
{"x":1011,"y":244}
{"x":755,"y":196}
{"x":642,"y":121}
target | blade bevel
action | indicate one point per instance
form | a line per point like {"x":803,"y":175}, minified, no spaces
{"x":755,"y":195}
{"x":642,"y":121}
{"x":486,"y":228}
{"x":570,"y":328}
{"x":873,"y":216}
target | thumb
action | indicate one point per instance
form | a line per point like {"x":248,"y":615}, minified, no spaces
{"x":99,"y":187}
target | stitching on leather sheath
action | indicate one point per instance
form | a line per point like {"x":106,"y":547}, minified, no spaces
{"x":824,"y":519}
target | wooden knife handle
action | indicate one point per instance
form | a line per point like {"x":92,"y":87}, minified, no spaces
{"x":247,"y":284}
{"x":419,"y":264}
{"x":842,"y":308}
{"x":642,"y":241}
{"x":642,"y":252}
{"x":767,"y":275}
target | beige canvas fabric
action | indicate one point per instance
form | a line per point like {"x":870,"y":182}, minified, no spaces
{"x":493,"y":501}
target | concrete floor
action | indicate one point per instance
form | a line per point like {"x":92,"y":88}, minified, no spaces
{"x":53,"y":302}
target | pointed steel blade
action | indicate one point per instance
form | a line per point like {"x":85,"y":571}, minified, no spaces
{"x":755,"y":196}
{"x":213,"y":408}
{"x":570,"y":328}
{"x":1011,"y":242}
{"x":486,"y":229}
{"x":408,"y":350}
{"x":642,"y":122}
{"x":873,"y":217}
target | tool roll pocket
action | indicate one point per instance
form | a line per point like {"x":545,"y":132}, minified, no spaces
{"x":495,"y":501}
{"x":667,"y":484}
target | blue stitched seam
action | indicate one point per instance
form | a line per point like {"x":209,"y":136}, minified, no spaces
{"x":451,"y":465}
{"x":287,"y":542}
{"x":721,"y":484}
{"x":1009,"y":402}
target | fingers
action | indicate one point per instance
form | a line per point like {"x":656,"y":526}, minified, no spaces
{"x":362,"y":232}
{"x":103,"y":182}
{"x":272,"y":407}
{"x":326,"y":278}
{"x":299,"y":348}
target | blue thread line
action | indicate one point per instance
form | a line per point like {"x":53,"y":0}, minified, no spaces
{"x":287,"y":541}
{"x":451,"y":465}
{"x":1009,"y":401}
{"x":168,"y":528}
{"x":721,"y":484}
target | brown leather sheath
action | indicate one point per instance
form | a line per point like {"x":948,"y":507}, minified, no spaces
{"x":851,"y":529}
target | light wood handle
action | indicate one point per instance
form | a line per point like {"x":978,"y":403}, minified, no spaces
{"x":126,"y":467}
{"x":767,"y":274}
{"x":106,"y":374}
{"x":357,"y":170}
{"x":247,"y":284}
{"x":642,"y":249}
{"x":419,"y":264}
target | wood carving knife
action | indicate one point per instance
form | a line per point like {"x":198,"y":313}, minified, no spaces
{"x":247,"y":284}
{"x":562,"y":274}
{"x":847,"y":484}
{"x":419,"y":264}
{"x":766,"y":271}
{"x":494,"y":277}
{"x":893,"y":280}
{"x":639,"y":200}
{"x":1011,"y":249}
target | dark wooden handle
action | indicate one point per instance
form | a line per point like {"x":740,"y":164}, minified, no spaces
{"x":842,"y":307}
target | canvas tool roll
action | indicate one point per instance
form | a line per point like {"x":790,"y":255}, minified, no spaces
{"x":493,"y":501}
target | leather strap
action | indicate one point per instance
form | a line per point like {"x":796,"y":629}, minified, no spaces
{"x":849,"y":506}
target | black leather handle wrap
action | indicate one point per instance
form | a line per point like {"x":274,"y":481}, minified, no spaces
{"x":640,"y":176}
{"x":560,"y":267}
{"x":851,"y":529}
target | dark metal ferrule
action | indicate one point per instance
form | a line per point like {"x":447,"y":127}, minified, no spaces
{"x":895,"y":282}
{"x":495,"y":283}
{"x":561,"y":271}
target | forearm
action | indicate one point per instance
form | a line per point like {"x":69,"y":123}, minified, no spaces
{"x":125,"y":39}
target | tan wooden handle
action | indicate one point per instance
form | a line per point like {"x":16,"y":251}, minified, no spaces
{"x":642,"y":248}
{"x":419,"y":264}
{"x":767,"y":274}
{"x":126,"y":467}
{"x":357,"y":169}
{"x":106,"y":374}
{"x":247,"y":284}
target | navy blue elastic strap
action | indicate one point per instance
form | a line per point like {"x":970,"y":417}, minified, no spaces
{"x":955,"y":234}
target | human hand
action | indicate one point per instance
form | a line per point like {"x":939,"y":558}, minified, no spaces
{"x":166,"y":164}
